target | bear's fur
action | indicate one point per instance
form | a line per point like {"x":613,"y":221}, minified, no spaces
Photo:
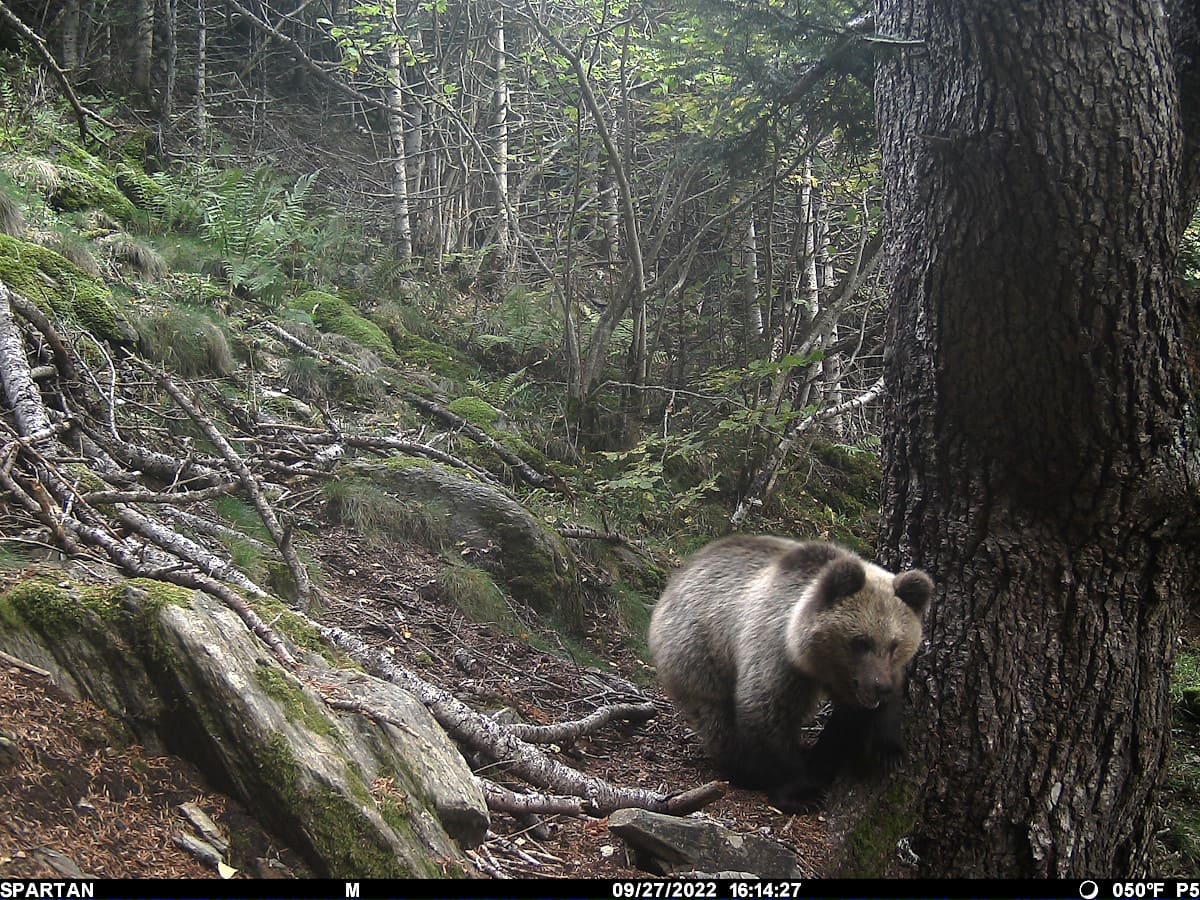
{"x":754,"y":632}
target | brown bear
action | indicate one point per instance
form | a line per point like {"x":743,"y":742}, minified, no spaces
{"x":754,"y":632}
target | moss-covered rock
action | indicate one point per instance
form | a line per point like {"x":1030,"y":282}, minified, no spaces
{"x":183,"y":671}
{"x":496,"y":533}
{"x":332,"y":313}
{"x":85,"y":182}
{"x":59,"y":287}
{"x":437,"y":358}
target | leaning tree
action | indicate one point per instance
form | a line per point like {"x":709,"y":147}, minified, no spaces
{"x":1041,"y":452}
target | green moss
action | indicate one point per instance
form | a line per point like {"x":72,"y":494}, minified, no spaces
{"x":162,"y":593}
{"x":334,"y":314}
{"x":337,"y":829}
{"x":79,"y":190}
{"x":474,"y":592}
{"x":403,"y":461}
{"x":871,"y":843}
{"x":437,"y":358}
{"x":54,"y":609}
{"x":296,"y":629}
{"x":297,"y":706}
{"x":475,"y":410}
{"x":142,"y":190}
{"x":395,"y":813}
{"x":58,"y":286}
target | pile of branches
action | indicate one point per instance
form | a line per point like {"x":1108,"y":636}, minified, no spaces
{"x":73,"y":459}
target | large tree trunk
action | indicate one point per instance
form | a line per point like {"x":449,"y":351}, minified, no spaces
{"x":1040,"y":452}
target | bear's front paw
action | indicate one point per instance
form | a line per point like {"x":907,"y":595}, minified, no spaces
{"x":800,"y":797}
{"x":883,"y":757}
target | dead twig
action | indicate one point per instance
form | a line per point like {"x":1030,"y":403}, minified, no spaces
{"x":569,"y":731}
{"x":280,"y":535}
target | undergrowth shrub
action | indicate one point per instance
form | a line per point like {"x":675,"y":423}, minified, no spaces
{"x":475,"y":592}
{"x":130,"y":253}
{"x":188,"y":340}
{"x":12,"y":212}
{"x":362,"y":506}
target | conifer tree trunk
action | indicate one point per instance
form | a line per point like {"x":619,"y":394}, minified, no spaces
{"x":1040,"y":452}
{"x":143,"y":46}
{"x":201,"y":70}
{"x":69,"y":36}
{"x":401,"y":222}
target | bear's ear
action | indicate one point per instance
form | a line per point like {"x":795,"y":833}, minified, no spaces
{"x":914,"y":588}
{"x":809,"y":556}
{"x":840,"y":578}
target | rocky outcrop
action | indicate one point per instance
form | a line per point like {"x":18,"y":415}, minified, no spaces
{"x":493,"y":530}
{"x":356,"y":797}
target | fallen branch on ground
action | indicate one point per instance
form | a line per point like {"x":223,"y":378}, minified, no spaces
{"x":569,"y":731}
{"x":523,"y":759}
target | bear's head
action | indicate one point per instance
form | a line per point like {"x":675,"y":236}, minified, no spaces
{"x":856,"y":627}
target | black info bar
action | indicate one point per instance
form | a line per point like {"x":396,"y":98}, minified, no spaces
{"x":603,"y":889}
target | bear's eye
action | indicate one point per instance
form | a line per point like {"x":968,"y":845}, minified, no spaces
{"x":893,"y":646}
{"x":861,"y":644}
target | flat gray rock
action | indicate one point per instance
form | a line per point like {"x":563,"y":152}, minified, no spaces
{"x":668,"y":844}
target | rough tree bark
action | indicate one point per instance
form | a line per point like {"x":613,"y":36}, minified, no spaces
{"x":1040,"y":452}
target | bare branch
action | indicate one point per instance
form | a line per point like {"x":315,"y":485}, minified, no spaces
{"x":278,"y":534}
{"x":569,"y":731}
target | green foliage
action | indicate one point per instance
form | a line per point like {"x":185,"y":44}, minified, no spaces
{"x":14,"y":555}
{"x":663,"y":477}
{"x":437,"y":358}
{"x":257,"y":225}
{"x":1181,"y":790}
{"x":196,"y":290}
{"x":1189,"y":253}
{"x":334,"y":314}
{"x":503,"y":392}
{"x":520,"y":330}
{"x":633,"y":608}
{"x":188,"y":340}
{"x":1185,"y":685}
{"x":241,"y":516}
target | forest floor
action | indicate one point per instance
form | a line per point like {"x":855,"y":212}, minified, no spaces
{"x":112,"y":809}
